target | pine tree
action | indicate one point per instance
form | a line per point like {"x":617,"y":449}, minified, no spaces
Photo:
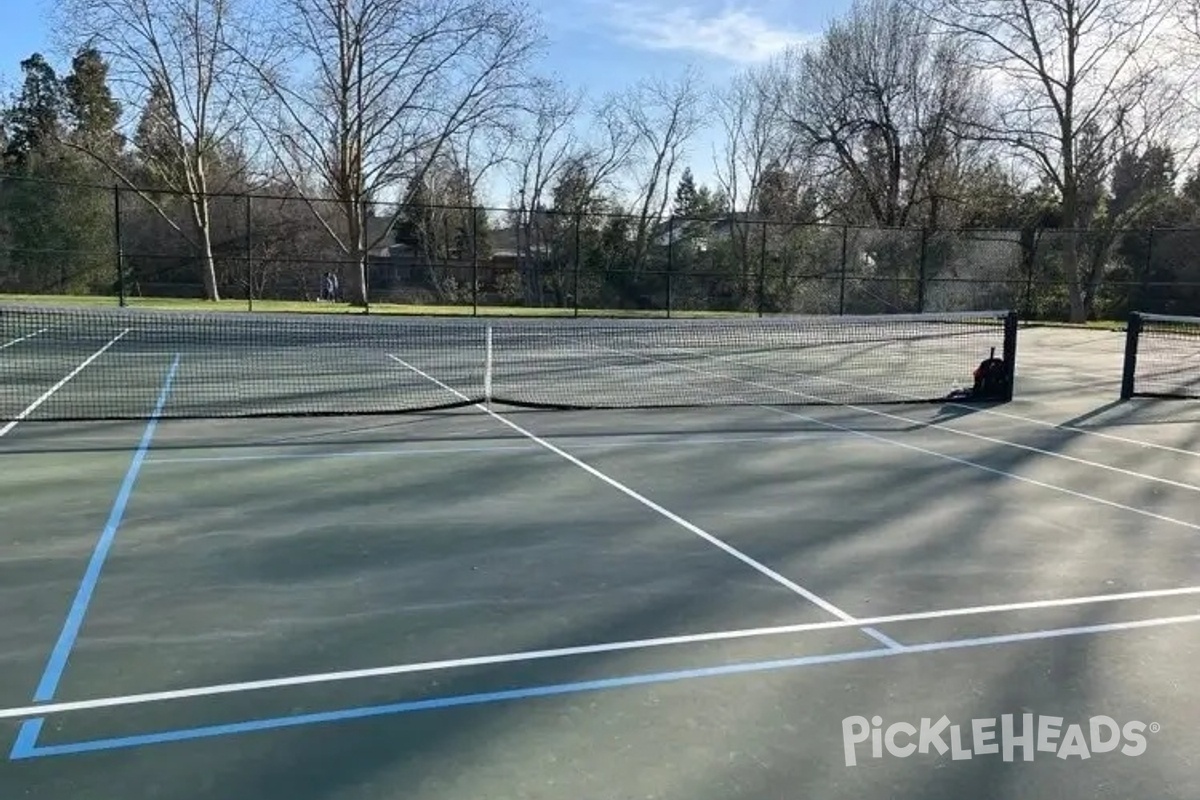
{"x":686,"y":197}
{"x":34,"y":122}
{"x":156,"y":141}
{"x":90,"y":105}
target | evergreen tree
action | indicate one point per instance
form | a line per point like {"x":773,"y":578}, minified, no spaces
{"x":34,"y":122}
{"x":686,"y":197}
{"x":413,"y":222}
{"x":156,"y":141}
{"x":90,"y":105}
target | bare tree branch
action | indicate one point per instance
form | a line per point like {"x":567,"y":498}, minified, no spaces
{"x":367,"y":97}
{"x":174,"y":58}
{"x":1079,"y":80}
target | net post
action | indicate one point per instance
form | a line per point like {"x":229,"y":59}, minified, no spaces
{"x":487,"y":368}
{"x":120,"y":248}
{"x":1133,"y":330}
{"x":1010,"y":353}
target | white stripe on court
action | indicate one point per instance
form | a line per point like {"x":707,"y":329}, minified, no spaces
{"x":23,"y":338}
{"x":50,"y":392}
{"x":46,"y":709}
{"x":987,"y":411}
{"x":964,"y":406}
{"x":647,"y":502}
{"x":899,"y":395}
{"x":934,"y":426}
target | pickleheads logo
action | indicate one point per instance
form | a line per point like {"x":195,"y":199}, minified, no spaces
{"x":1100,"y":734}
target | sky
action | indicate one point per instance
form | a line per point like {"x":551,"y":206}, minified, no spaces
{"x":597,"y":45}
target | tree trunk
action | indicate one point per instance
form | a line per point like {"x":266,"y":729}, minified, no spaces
{"x":356,"y":290}
{"x":1078,"y":311}
{"x":208,"y":267}
{"x":1070,"y":216}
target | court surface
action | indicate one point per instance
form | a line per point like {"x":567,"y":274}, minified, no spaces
{"x":498,"y":603}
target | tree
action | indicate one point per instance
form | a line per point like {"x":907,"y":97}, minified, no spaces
{"x":685,"y":195}
{"x":392,"y":85}
{"x":89,"y":102}
{"x":878,"y":106}
{"x":753,"y":118}
{"x":35,"y":119}
{"x":1078,"y":81}
{"x":60,"y":229}
{"x":663,"y":117}
{"x":177,"y":59}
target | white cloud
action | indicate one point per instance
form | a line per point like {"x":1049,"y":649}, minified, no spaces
{"x":734,"y":35}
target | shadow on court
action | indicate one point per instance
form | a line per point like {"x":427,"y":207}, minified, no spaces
{"x":859,"y":522}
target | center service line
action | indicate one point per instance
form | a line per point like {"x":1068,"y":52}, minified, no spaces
{"x":648,"y":503}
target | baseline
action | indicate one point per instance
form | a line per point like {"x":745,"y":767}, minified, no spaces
{"x":49,"y":709}
{"x":26,"y":746}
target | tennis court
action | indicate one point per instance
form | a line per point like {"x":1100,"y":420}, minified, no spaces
{"x":416,"y":575}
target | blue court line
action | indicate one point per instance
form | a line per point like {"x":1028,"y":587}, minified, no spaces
{"x":29,"y":749}
{"x":57,"y":663}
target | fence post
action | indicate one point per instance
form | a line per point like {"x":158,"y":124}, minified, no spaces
{"x":762,"y":269}
{"x":921,"y":269}
{"x":120,"y":246}
{"x":575,"y":288}
{"x":474,"y":261}
{"x":365,"y":261}
{"x":842,"y":288}
{"x":670,"y":260}
{"x":1145,"y":287}
{"x":249,"y":257}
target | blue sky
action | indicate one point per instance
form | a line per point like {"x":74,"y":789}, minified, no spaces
{"x":598,"y":45}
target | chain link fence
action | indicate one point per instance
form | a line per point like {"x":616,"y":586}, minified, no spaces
{"x":114,"y":242}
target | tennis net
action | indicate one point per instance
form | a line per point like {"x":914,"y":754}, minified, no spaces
{"x":96,"y":364}
{"x":1162,"y":357}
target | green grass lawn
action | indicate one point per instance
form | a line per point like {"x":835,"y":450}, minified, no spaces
{"x":302,"y":307}
{"x":296,"y":306}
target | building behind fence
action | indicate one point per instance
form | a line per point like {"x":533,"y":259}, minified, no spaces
{"x":66,"y":239}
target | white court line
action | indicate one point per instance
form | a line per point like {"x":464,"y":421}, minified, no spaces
{"x":899,"y":418}
{"x":46,"y":709}
{"x":23,"y":338}
{"x":624,"y":441}
{"x":993,"y":412}
{"x":914,"y":448}
{"x":647,"y":502}
{"x":899,"y":395}
{"x":50,"y":392}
